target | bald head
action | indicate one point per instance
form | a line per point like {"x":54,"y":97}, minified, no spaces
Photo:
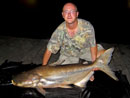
{"x":70,"y":13}
{"x":69,"y":5}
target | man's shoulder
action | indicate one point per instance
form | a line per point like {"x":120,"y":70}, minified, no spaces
{"x":83,"y":21}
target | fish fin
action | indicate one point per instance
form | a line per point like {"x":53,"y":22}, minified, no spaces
{"x":82,"y":83}
{"x":103,"y":61}
{"x":59,"y":62}
{"x":41,"y":90}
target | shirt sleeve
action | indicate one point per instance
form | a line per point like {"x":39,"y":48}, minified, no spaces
{"x":55,"y":41}
{"x":92,"y":39}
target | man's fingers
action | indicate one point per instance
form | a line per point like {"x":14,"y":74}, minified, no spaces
{"x":92,"y":78}
{"x":95,"y":69}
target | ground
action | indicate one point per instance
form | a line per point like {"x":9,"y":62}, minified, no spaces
{"x":28,"y":51}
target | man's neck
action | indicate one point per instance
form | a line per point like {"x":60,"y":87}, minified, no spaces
{"x":72,"y":28}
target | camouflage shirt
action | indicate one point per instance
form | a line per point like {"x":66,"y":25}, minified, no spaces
{"x":72,"y":46}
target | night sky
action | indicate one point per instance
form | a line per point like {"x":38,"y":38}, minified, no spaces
{"x":39,"y":18}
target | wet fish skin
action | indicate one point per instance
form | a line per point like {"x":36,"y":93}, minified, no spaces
{"x":64,"y":75}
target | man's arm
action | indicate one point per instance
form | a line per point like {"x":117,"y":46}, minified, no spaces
{"x":46,"y":57}
{"x":94,"y":56}
{"x":93,"y":53}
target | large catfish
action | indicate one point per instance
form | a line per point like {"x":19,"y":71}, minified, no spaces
{"x":63,"y":76}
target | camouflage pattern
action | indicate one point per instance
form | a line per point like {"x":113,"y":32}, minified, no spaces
{"x":86,"y":56}
{"x":73,"y":47}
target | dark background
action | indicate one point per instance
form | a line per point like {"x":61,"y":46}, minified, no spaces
{"x":39,"y":18}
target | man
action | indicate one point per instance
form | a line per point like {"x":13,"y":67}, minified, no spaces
{"x":75,"y":38}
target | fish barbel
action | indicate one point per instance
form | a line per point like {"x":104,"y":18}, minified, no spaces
{"x":65,"y":75}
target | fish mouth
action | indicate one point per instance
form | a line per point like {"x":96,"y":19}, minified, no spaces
{"x":16,"y":84}
{"x":24,"y":84}
{"x":13,"y":82}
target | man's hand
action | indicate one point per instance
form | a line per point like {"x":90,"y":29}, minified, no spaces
{"x":95,"y":69}
{"x":92,"y":77}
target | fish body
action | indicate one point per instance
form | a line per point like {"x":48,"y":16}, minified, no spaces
{"x":63,"y":76}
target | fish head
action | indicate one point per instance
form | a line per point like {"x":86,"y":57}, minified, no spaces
{"x":24,"y":80}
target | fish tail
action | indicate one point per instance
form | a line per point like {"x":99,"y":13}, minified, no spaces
{"x":103,"y":61}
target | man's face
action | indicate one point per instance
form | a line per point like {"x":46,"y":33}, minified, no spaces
{"x":70,"y":13}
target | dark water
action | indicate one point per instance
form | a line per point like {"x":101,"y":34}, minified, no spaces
{"x":102,"y":87}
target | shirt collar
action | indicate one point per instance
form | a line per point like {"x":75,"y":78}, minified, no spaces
{"x":79,"y":27}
